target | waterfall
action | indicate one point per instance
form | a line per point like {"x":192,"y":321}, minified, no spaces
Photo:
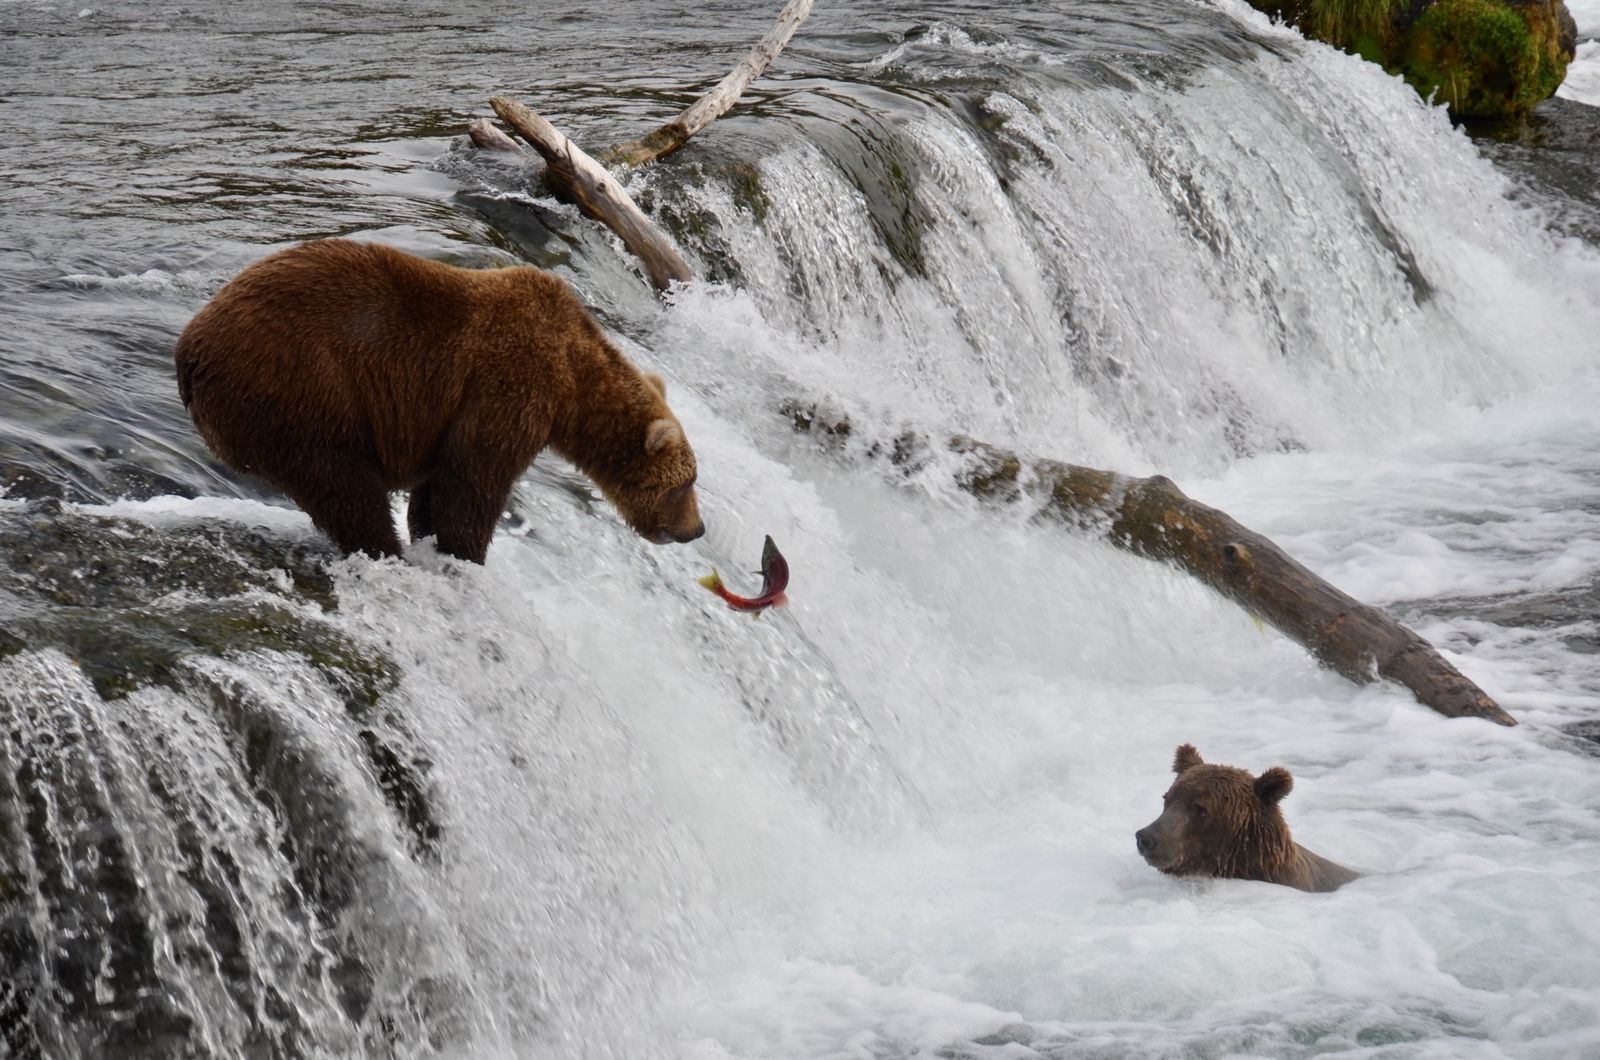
{"x":260,"y":801}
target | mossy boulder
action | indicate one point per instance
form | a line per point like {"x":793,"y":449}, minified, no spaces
{"x":1486,"y":58}
{"x":1481,"y":58}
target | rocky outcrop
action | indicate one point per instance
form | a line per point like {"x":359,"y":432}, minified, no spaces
{"x":1481,"y":58}
{"x":212,"y":806}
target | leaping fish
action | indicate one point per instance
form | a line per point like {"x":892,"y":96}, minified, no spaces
{"x":774,"y":580}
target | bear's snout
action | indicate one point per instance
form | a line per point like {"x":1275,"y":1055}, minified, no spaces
{"x":665,"y":536}
{"x":1146,"y":840}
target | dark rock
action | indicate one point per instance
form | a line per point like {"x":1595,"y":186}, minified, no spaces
{"x":1587,"y":735}
{"x":1553,"y":153}
{"x":205,"y":611}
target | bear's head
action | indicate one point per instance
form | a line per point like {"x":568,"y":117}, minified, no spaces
{"x":653,"y":485}
{"x":1219,"y":821}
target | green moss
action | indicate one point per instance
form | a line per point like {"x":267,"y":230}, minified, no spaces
{"x":1372,"y":48}
{"x":1551,"y":51}
{"x":1365,"y":27}
{"x":1484,"y":58}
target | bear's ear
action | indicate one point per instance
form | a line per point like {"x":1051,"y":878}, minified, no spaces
{"x":1273,"y":785}
{"x":1186,"y":757}
{"x":658,"y":384}
{"x":660,"y":434}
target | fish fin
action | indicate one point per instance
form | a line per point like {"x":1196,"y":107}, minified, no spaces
{"x":712,"y":581}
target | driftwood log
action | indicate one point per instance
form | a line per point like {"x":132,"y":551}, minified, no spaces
{"x":577,"y":178}
{"x":485,"y":134}
{"x":714,"y":104}
{"x":596,"y":192}
{"x":1152,"y":517}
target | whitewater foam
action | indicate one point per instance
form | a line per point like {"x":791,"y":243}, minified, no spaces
{"x":896,"y":819}
{"x":962,"y":869}
{"x":1582,"y":83}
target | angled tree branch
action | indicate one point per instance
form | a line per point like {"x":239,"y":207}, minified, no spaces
{"x":596,"y":192}
{"x":577,"y":178}
{"x":714,"y":104}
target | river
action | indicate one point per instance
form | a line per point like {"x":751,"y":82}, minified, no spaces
{"x":260,"y":801}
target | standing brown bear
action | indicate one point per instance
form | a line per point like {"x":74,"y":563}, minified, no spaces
{"x":340,"y":372}
{"x":1221,"y":821}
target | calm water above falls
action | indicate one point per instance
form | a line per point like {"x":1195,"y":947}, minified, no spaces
{"x":258,"y":801}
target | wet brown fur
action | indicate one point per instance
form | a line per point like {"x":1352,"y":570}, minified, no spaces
{"x":1219,"y":821}
{"x":340,"y":372}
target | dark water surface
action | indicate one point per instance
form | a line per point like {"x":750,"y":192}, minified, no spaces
{"x":153,"y":150}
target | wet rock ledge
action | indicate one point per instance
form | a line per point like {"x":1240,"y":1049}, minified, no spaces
{"x":212,"y":809}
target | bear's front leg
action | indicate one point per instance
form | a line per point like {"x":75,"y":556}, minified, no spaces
{"x":349,"y":502}
{"x":483,"y":453}
{"x":466,"y":511}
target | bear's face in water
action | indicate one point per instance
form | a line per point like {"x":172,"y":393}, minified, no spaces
{"x":1220,"y":821}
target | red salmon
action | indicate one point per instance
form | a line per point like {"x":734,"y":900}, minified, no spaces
{"x":774,"y":580}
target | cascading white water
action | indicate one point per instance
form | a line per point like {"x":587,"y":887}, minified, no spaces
{"x":896,"y":819}
{"x":1243,"y":261}
{"x":1582,"y":82}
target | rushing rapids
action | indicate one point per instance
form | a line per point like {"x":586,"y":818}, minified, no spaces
{"x":257,"y":800}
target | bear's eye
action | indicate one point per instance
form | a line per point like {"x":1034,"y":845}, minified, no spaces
{"x":1199,"y":811}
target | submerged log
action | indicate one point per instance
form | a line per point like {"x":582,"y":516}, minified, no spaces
{"x":596,"y":192}
{"x":714,"y":104}
{"x":1151,"y":517}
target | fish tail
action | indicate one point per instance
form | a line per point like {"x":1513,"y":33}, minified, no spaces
{"x":712,"y":581}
